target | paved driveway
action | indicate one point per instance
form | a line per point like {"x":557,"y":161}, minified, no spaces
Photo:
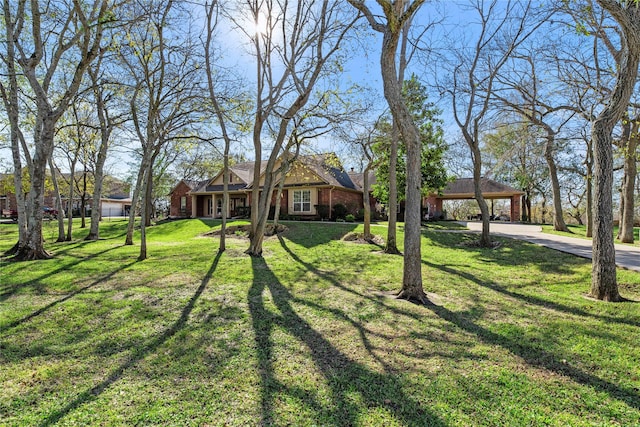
{"x":627,"y":256}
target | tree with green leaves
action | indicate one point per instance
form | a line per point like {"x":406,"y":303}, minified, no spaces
{"x":426,"y":117}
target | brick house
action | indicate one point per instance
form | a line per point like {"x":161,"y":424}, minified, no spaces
{"x":314,"y":185}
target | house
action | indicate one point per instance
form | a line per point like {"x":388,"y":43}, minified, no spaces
{"x":314,"y":185}
{"x":114,"y":202}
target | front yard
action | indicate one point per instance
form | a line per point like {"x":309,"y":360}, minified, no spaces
{"x":310,"y":335}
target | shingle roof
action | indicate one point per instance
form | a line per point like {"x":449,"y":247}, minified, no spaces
{"x":326,"y":166}
{"x":197,"y":186}
{"x":358,"y":179}
{"x":464,"y":186}
{"x":329,"y":169}
{"x":244,"y":170}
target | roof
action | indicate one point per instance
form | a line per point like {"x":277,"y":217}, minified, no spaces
{"x":464,"y":188}
{"x":358,"y":179}
{"x":244,"y":170}
{"x":326,"y":166}
{"x":329,"y":169}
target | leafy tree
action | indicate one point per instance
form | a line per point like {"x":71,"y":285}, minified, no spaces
{"x":426,"y":117}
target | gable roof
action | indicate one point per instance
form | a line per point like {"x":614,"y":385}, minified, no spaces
{"x":326,"y":166}
{"x":329,"y":169}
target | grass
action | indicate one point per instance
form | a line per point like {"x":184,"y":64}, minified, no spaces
{"x":580,"y":231}
{"x":309,"y":335}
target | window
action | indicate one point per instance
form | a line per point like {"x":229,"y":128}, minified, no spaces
{"x":183,"y":203}
{"x":302,"y":201}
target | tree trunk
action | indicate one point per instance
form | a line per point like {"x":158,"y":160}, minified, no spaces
{"x":629,"y":183}
{"x":225,"y":199}
{"x":144,"y":213}
{"x":604,"y":285}
{"x":412,"y":272}
{"x":366,"y":203}
{"x":136,"y":198}
{"x":83,"y":199}
{"x":60,"y":216}
{"x":96,"y":210}
{"x":105,"y":134}
{"x":70,"y":205}
{"x":276,"y":213}
{"x":589,"y":195}
{"x":558,"y":218}
{"x":34,"y":245}
{"x":391,"y":246}
{"x":485,"y":236}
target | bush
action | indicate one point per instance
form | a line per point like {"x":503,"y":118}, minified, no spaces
{"x":350,"y":218}
{"x":339,"y":211}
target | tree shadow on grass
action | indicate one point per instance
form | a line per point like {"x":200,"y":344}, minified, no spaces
{"x":534,"y":356}
{"x":531,"y":299}
{"x":510,"y":252}
{"x":65,"y":298}
{"x":342,"y":375}
{"x":311,"y":234}
{"x":137,"y":354}
{"x":8,"y":291}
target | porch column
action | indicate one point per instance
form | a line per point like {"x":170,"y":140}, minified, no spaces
{"x":194,"y":206}
{"x":515,"y":208}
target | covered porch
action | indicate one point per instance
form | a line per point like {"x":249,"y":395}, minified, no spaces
{"x":210,"y":205}
{"x":463,"y":189}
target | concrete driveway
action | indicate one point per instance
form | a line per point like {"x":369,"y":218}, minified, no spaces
{"x":627,"y":256}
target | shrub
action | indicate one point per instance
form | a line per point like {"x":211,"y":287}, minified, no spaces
{"x":349,"y":218}
{"x":339,"y":211}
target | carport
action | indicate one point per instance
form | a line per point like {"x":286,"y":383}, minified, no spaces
{"x":463,"y":189}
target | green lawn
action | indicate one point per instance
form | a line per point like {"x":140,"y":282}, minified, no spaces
{"x":580,"y":231}
{"x":310,"y":335}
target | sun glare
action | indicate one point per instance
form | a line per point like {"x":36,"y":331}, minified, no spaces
{"x":259,"y":27}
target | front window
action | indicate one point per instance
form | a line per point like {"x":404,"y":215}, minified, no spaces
{"x":302,"y":201}
{"x":183,"y":203}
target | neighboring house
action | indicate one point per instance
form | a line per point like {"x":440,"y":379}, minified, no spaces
{"x":115,"y":202}
{"x":314,"y":185}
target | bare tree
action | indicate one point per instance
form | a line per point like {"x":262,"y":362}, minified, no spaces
{"x":293,"y":52}
{"x":397,"y":15}
{"x":548,"y":115}
{"x":165,"y":89}
{"x":217,"y":96}
{"x":105,"y":90}
{"x":63,"y":34}
{"x":604,"y":284}
{"x":503,"y":27}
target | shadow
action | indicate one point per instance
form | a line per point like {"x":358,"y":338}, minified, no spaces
{"x":343,"y":376}
{"x":510,"y":251}
{"x":331,"y":279}
{"x":530,"y":299}
{"x":311,"y":234}
{"x":7,"y":291}
{"x":138,"y":354}
{"x":538,"y":357}
{"x":61,"y":300}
